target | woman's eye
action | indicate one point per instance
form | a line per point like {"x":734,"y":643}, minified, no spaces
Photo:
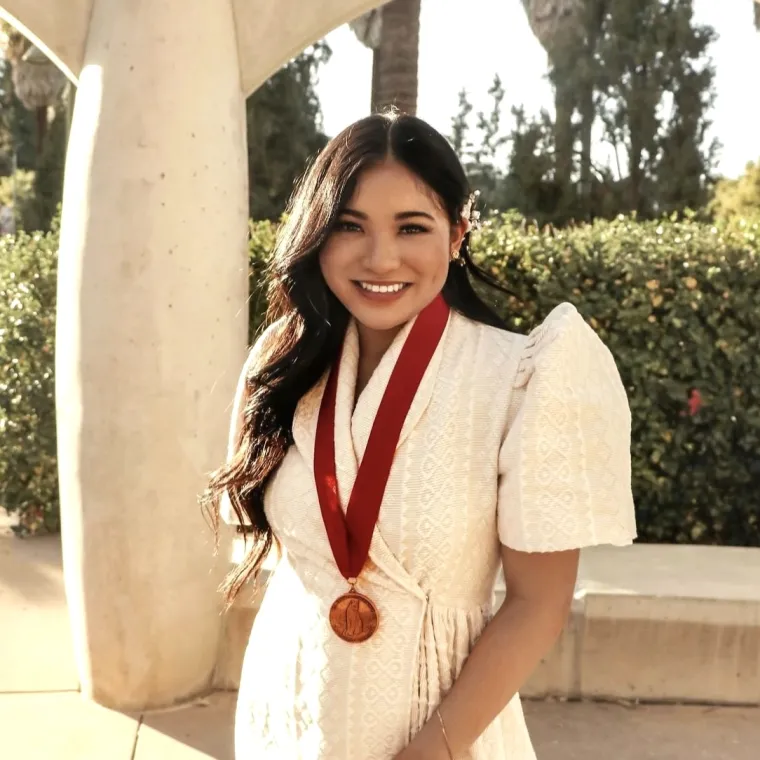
{"x":413,"y":229}
{"x":345,"y":226}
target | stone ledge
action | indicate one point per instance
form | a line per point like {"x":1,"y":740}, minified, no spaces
{"x":649,"y":623}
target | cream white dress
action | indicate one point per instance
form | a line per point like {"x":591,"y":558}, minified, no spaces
{"x":511,"y":439}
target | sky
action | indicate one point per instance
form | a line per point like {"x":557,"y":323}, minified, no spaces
{"x":462,"y":45}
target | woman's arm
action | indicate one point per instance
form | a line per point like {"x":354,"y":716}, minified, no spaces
{"x":539,"y":593}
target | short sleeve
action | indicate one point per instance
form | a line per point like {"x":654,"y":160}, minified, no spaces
{"x":565,"y":463}
{"x":226,"y":511}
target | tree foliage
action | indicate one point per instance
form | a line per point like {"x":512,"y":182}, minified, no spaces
{"x":22,"y":149}
{"x":284,"y":123}
{"x":17,"y":126}
{"x":738,"y":198}
{"x":654,"y":80}
{"x":639,"y":76}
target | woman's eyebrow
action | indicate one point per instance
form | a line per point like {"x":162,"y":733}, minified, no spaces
{"x":399,"y":216}
{"x":409,"y":214}
{"x":352,"y":212}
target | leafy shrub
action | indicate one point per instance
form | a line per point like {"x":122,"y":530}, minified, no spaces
{"x":28,"y":476}
{"x":17,"y":192}
{"x":261,"y":243}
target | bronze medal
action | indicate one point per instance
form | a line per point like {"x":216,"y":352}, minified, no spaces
{"x":353,"y":617}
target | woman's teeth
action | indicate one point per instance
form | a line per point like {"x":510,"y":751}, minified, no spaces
{"x":395,"y":288}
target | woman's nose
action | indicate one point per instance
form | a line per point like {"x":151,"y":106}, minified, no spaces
{"x":383,"y":256}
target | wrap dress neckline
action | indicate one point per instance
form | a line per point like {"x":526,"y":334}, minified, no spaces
{"x":353,"y":425}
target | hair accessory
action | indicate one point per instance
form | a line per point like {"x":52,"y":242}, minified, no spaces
{"x":445,"y":736}
{"x":470,"y":214}
{"x":457,"y":258}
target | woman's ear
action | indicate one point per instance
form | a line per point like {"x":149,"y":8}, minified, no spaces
{"x":458,"y":231}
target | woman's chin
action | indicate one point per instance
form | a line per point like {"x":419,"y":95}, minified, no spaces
{"x":382,"y":320}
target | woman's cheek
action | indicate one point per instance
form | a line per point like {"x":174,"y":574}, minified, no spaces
{"x":431,"y":257}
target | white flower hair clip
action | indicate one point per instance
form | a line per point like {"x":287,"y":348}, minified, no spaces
{"x":470,"y":214}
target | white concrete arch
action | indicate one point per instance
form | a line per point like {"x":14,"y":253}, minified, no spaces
{"x":270,"y":33}
{"x":57,"y":28}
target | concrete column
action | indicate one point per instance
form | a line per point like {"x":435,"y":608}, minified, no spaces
{"x":150,"y":336}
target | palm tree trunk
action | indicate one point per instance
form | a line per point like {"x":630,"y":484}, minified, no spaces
{"x":394,"y":63}
{"x":587,"y":122}
{"x":564,"y":105}
{"x":41,"y":114}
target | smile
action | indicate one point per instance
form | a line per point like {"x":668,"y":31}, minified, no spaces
{"x":391,"y":287}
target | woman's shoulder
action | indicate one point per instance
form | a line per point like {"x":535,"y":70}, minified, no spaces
{"x":563,"y":346}
{"x":564,"y":324}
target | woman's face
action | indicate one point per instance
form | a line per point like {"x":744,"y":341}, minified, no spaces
{"x":388,"y":255}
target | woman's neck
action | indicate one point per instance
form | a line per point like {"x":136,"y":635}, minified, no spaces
{"x":372,"y":346}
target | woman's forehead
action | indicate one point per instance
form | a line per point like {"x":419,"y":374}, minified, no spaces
{"x":391,"y":186}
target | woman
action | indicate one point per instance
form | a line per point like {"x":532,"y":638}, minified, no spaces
{"x":398,"y":444}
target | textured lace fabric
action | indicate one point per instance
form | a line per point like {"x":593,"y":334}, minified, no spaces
{"x":510,"y":439}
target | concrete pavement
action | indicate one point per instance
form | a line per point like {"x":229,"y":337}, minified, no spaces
{"x":43,"y":717}
{"x":61,"y":726}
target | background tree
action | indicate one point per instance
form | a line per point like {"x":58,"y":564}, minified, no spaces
{"x":37,"y":82}
{"x":392,"y":32}
{"x":17,"y":127}
{"x":34,"y":107}
{"x":655,"y":81}
{"x":459,"y":125}
{"x":638,"y":75}
{"x":558,"y":26}
{"x":738,"y":198}
{"x":531,"y":184}
{"x":483,"y":157}
{"x":51,"y":162}
{"x":515,"y":170}
{"x":284,"y":123}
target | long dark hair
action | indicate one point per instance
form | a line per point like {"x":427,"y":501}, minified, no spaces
{"x":311,"y":322}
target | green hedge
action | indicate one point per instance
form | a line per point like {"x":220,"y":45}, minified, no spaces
{"x":28,"y":477}
{"x":677,"y":302}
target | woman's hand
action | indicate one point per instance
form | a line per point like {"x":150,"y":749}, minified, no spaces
{"x":427,"y":745}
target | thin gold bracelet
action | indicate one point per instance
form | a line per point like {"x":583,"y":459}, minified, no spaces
{"x":445,"y":736}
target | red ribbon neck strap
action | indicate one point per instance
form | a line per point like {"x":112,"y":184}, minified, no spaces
{"x":350,"y":534}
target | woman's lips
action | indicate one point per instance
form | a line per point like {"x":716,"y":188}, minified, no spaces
{"x":382,"y":292}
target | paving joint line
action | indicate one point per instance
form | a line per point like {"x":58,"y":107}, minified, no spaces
{"x":133,"y":754}
{"x":19,"y":692}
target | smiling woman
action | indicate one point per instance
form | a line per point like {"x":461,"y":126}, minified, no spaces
{"x":399,"y":446}
{"x":388,"y":255}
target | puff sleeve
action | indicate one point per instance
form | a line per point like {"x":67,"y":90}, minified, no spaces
{"x":226,"y":511}
{"x":564,"y":464}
